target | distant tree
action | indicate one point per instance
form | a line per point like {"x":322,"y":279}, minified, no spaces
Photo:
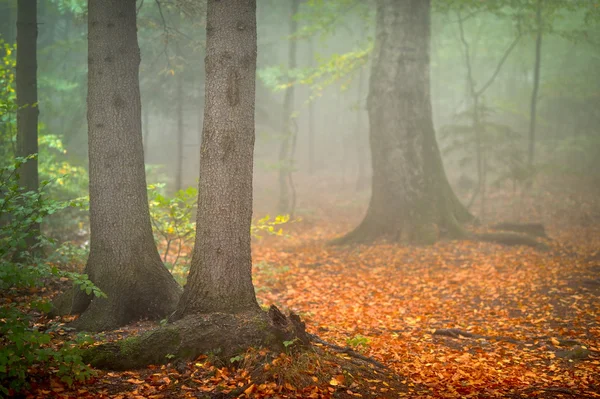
{"x":286,"y":151}
{"x":536,"y":85}
{"x":26,"y":79}
{"x":7,"y":22}
{"x":411,"y":198}
{"x":27,"y":96}
{"x":123,"y":262}
{"x":218,"y":311}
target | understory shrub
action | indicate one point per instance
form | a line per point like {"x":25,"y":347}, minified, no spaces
{"x":25,"y":349}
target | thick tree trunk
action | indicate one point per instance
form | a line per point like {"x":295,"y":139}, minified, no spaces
{"x":220,"y":278}
{"x":28,"y":112}
{"x":285,"y":153}
{"x":411,"y":198}
{"x":123,"y":260}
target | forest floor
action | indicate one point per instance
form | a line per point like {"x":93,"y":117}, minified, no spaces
{"x":458,"y":319}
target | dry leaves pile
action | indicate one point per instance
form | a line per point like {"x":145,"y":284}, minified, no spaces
{"x":455,"y":320}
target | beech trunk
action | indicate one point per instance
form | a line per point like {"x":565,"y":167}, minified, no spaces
{"x":411,"y":198}
{"x":123,"y":262}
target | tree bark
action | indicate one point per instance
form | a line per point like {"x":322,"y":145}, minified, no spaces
{"x":220,"y":278}
{"x":285,"y":153}
{"x":411,"y":198}
{"x":123,"y":262}
{"x":27,"y":98}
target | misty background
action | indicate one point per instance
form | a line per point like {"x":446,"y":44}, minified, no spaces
{"x":331,"y":81}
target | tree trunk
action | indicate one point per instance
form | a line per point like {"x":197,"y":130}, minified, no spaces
{"x":536,"y":85}
{"x":123,"y":262}
{"x":220,"y":277}
{"x":311,"y":115}
{"x":285,"y":155}
{"x":146,"y":128}
{"x":361,"y":176}
{"x":27,"y":99}
{"x":7,"y":23}
{"x":218,"y":312}
{"x":180,"y":131}
{"x":411,"y":198}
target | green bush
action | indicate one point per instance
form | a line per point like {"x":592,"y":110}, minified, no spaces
{"x":174,"y":227}
{"x":23,"y":347}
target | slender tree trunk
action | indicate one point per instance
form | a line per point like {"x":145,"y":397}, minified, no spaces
{"x":311,"y":115}
{"x":180,"y":132}
{"x":7,"y":22}
{"x":146,"y":128}
{"x":411,"y":198}
{"x":285,"y":155}
{"x":220,"y":278}
{"x":27,"y":98}
{"x":123,"y":260}
{"x":361,"y":178}
{"x":536,"y":85}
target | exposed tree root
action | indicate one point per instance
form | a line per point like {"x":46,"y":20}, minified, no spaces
{"x":350,"y":352}
{"x":509,"y":238}
{"x":533,"y":229}
{"x":221,"y":334}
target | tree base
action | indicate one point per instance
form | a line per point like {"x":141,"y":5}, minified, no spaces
{"x":222,"y":335}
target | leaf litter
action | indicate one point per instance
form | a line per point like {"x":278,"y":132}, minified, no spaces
{"x":459,"y":319}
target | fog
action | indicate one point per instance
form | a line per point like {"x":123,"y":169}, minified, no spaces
{"x":334,"y":103}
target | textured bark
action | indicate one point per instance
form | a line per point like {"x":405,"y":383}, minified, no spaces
{"x":411,"y":198}
{"x":218,"y":312}
{"x":28,"y":112}
{"x":220,"y":278}
{"x":123,"y":260}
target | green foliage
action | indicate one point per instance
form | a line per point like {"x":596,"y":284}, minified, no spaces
{"x":266,"y":225}
{"x":174,"y":227}
{"x":22,"y":346}
{"x":8,"y":104}
{"x":358,"y":342}
{"x":172,"y":222}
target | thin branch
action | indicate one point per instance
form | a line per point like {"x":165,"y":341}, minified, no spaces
{"x":166,"y":32}
{"x":499,"y":66}
{"x":467,"y":55}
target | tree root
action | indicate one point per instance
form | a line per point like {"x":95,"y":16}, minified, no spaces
{"x":350,"y":352}
{"x":223,"y":335}
{"x":509,"y":238}
{"x":532,"y":229}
